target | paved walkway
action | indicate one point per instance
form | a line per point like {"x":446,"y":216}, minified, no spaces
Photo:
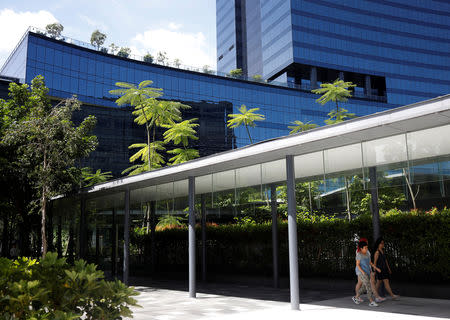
{"x":243,"y":302}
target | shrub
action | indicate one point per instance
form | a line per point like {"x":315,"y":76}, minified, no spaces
{"x":52,"y":289}
{"x":236,"y":73}
{"x":124,"y":52}
{"x":257,"y":78}
{"x":417,"y":245}
{"x":148,"y":58}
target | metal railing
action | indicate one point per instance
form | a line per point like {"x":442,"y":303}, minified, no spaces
{"x":306,"y":87}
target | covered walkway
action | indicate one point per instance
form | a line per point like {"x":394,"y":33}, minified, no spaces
{"x":368,"y":147}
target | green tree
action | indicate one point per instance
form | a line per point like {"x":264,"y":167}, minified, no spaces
{"x":339,"y":116}
{"x":177,"y":62}
{"x":206,"y":69}
{"x":299,"y":126}
{"x":48,"y":144}
{"x":336,"y":92}
{"x":257,"y":78}
{"x":113,"y":48}
{"x":151,"y":113}
{"x":236,"y":73}
{"x":54,"y":30}
{"x":162,"y":58}
{"x":181,"y":133}
{"x":90,"y":178}
{"x":98,"y":39}
{"x":17,"y":193}
{"x":148,"y":58}
{"x":246,"y":118}
{"x":124,"y":52}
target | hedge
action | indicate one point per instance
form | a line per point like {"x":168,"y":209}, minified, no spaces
{"x":417,"y":246}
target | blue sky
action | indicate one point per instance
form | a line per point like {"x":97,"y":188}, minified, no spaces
{"x":184,"y":29}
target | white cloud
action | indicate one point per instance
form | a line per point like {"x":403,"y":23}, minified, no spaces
{"x":174,"y":26}
{"x":191,"y":48}
{"x":95,"y":24}
{"x":14,"y":24}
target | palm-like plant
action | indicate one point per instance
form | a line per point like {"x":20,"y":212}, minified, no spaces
{"x":299,"y":126}
{"x":142,"y":154}
{"x":180,"y":133}
{"x":246,"y":118}
{"x":152,"y":113}
{"x":336,"y":92}
{"x":182,"y":155}
{"x":339,"y":116}
{"x":91,"y":179}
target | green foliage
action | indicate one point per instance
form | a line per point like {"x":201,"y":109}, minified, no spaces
{"x":153,"y":150}
{"x":154,"y":113}
{"x":207,"y":69}
{"x":246,"y":118}
{"x":162,"y":58}
{"x":113,"y":48}
{"x":52,"y":289}
{"x":148,"y":58}
{"x":124,"y":52}
{"x":170,"y":221}
{"x":336,"y":92}
{"x":417,"y":245}
{"x":177,"y":63}
{"x":47,"y":143}
{"x":338,"y":116}
{"x":182,"y":155}
{"x":91,"y":179}
{"x":98,"y":39}
{"x":54,"y":30}
{"x":257,"y":78}
{"x":299,"y":126}
{"x":236,"y":73}
{"x":181,"y":132}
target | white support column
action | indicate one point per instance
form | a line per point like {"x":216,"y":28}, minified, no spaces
{"x":126,"y":238}
{"x":292,"y":233}
{"x":275,"y":245}
{"x":192,"y":280}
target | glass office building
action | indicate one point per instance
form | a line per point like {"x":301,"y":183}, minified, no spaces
{"x":396,"y":49}
{"x":72,"y":68}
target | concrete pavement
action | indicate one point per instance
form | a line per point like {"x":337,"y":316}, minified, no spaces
{"x":243,"y":302}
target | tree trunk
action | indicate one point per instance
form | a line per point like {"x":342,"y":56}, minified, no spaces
{"x":149,"y":151}
{"x":44,"y":211}
{"x":248,"y":132}
{"x":347,"y":199}
{"x":5,"y":240}
{"x":413,"y":196}
{"x":43,"y":222}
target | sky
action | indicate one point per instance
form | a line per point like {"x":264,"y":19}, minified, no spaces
{"x":184,"y":29}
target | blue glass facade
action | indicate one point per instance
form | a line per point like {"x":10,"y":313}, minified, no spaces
{"x":226,"y":35}
{"x":90,"y":74}
{"x":395,"y":49}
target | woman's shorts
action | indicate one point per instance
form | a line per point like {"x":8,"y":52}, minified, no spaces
{"x":383,"y":275}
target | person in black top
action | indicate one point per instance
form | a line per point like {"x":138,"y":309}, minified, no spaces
{"x":385,"y":271}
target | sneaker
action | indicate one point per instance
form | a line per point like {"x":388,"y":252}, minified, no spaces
{"x":373,"y":304}
{"x":356,"y":300}
{"x":380,"y":299}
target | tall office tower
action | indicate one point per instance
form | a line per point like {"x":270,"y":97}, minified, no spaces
{"x":231,"y":35}
{"x":398,"y":49}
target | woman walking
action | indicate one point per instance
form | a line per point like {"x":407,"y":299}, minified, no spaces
{"x":384,"y":271}
{"x":357,"y":298}
{"x":363,"y":270}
